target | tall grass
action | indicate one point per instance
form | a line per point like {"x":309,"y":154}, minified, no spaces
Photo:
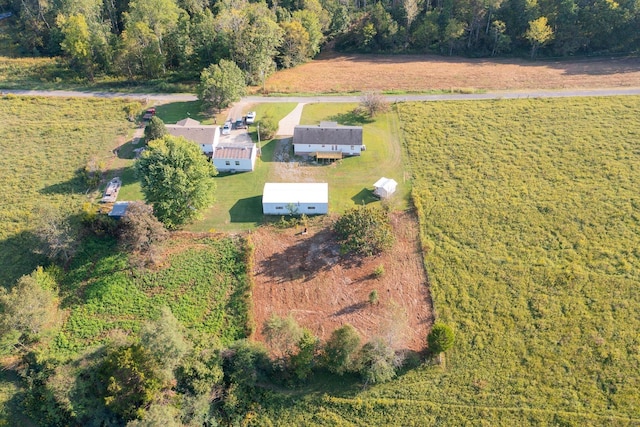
{"x":530,"y":220}
{"x":44,"y":143}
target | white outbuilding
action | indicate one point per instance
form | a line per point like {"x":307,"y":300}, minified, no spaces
{"x":384,"y":187}
{"x":295,"y":198}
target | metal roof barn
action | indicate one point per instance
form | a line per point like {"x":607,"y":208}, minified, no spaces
{"x":295,"y":198}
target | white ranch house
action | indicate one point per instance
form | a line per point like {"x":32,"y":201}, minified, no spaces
{"x":295,"y":198}
{"x":328,"y":141}
{"x":226,"y":156}
{"x":235,"y":157}
{"x":206,"y":136}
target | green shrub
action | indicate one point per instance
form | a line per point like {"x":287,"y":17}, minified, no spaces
{"x":267,"y":128}
{"x":365,"y":230}
{"x":378,"y":272}
{"x":373,"y":297}
{"x":441,"y":338}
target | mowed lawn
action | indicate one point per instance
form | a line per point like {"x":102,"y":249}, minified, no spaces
{"x":238,"y":203}
{"x":530,"y":220}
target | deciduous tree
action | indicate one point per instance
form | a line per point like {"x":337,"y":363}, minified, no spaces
{"x":538,"y":34}
{"x":364,"y":230}
{"x":374,"y":103}
{"x":164,"y":340}
{"x":282,"y":335}
{"x":31,"y":304}
{"x":378,"y":362}
{"x":155,"y":129}
{"x":221,"y":84}
{"x":139,"y":229}
{"x":59,"y":237}
{"x":340,"y":351}
{"x":176,"y":179}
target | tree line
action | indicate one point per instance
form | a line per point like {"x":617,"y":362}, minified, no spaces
{"x":149,"y":38}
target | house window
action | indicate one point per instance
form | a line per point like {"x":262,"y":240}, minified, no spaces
{"x":352,"y":147}
{"x":279,"y":207}
{"x":311,"y":208}
{"x":322,"y":145}
{"x":227,"y":163}
{"x":237,"y":163}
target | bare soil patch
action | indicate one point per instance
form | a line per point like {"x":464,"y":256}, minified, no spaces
{"x":332,"y":72}
{"x":304,"y":275}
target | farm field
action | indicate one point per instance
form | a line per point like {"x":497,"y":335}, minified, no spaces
{"x":530,"y":224}
{"x":335,"y":73}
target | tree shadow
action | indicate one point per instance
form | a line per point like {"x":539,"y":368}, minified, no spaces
{"x":17,"y":257}
{"x":126,"y":150}
{"x":13,"y":412}
{"x":364,"y":197}
{"x":312,"y":254}
{"x":247,"y":210}
{"x":71,"y":186}
{"x":268,"y":149}
{"x":351,"y":308}
{"x":355,"y":117}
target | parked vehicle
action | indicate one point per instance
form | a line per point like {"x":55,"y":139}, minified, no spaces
{"x":251,"y":117}
{"x":240,"y":124}
{"x":149,"y":114}
{"x":226,"y":129}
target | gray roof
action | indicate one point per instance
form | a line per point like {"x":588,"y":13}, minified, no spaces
{"x":193,"y":131}
{"x":328,"y":133}
{"x":235,"y":151}
{"x":119,"y":209}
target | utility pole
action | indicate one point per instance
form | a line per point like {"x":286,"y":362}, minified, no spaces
{"x":259,"y":144}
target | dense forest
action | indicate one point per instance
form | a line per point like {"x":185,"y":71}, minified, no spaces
{"x":143,"y":39}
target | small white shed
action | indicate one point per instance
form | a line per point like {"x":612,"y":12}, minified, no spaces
{"x":384,"y":187}
{"x":295,"y":198}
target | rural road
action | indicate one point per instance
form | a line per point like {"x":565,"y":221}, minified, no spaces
{"x":182,"y":97}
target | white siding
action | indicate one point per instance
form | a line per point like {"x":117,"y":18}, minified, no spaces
{"x":347,"y":150}
{"x":303,"y":198}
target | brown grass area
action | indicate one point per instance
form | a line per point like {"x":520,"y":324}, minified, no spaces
{"x":333,"y":72}
{"x":305,"y":276}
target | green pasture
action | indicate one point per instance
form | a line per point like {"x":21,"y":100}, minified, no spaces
{"x":530,"y":223}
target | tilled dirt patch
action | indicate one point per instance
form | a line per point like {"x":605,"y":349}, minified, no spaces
{"x":306,"y":276}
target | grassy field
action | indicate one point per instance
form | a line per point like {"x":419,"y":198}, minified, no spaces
{"x":44,"y":144}
{"x":530,"y":221}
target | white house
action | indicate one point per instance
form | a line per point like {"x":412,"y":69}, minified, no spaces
{"x":328,"y":140}
{"x":235,"y":157}
{"x":295,"y":198}
{"x":206,"y":136}
{"x":384,"y":187}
